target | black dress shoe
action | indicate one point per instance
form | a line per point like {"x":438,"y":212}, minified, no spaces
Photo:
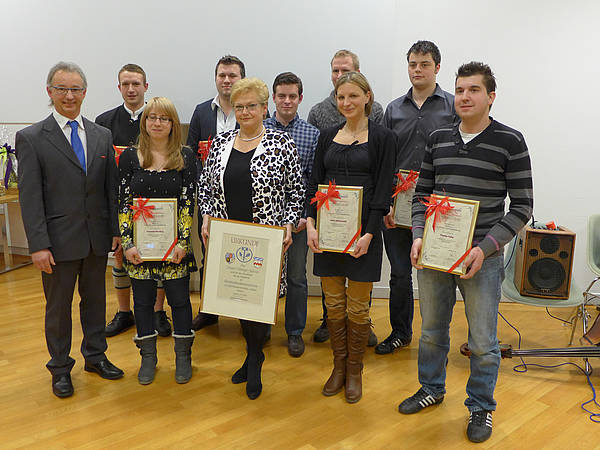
{"x":121,"y":322}
{"x":161,"y":323}
{"x":61,"y":385}
{"x":105,"y":369}
{"x":203,"y":320}
{"x":295,"y":345}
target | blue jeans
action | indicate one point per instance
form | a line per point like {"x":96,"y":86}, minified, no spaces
{"x":297,"y":287}
{"x":481,"y":294}
{"x":398,"y":242}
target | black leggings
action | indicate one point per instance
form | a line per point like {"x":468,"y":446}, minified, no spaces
{"x":255,"y":334}
{"x":177,"y":292}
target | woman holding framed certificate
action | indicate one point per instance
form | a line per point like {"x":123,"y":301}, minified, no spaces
{"x":156,"y":206}
{"x":356,"y":156}
{"x":252,"y":175}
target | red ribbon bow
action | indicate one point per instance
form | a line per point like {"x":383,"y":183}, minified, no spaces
{"x":203,"y":148}
{"x":142,"y":209}
{"x":436,"y":206}
{"x":118,"y":152}
{"x":404,"y":184}
{"x":354,"y":238}
{"x":324,"y":197}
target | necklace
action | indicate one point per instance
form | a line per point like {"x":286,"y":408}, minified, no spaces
{"x":252,"y":138}
{"x":355,"y":135}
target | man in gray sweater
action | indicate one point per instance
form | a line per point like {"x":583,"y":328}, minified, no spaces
{"x":477,"y":159}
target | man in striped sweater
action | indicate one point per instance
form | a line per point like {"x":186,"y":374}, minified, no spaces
{"x":478,"y":159}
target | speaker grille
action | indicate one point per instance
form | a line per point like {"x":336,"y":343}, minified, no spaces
{"x":549,"y":244}
{"x":546,"y":274}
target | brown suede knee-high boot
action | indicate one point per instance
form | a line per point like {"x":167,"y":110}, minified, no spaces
{"x":337,"y":333}
{"x":358,"y":334}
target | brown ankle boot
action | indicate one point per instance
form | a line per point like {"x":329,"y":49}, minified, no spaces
{"x":358,"y":334}
{"x":337,"y":333}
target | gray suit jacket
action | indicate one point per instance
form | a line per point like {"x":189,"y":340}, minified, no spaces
{"x":64,"y":209}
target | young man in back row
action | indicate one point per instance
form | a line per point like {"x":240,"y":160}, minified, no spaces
{"x":124,"y":125}
{"x":424,"y":108}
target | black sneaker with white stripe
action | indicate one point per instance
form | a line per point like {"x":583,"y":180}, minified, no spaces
{"x":391,"y":343}
{"x":417,"y":402}
{"x":480,"y":426}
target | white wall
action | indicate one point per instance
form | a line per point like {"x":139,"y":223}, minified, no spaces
{"x":544,"y":54}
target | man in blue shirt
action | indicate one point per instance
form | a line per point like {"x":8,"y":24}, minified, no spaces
{"x":287,"y":95}
{"x":424,"y":108}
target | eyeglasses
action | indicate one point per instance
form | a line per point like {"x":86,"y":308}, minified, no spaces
{"x":63,"y":90}
{"x":250,"y":107}
{"x":161,"y":119}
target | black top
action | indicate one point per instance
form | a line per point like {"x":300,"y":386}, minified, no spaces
{"x":369,"y":165}
{"x":238,"y":185}
{"x":124,"y":129}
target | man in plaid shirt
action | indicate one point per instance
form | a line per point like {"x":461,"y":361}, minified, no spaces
{"x":287,"y":95}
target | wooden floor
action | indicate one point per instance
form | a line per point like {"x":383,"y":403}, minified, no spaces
{"x":538,"y":409}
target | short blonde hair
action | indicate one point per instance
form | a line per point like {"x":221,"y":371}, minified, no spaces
{"x":344,"y":53}
{"x":161,"y":105}
{"x":359,"y":80}
{"x":251,"y":84}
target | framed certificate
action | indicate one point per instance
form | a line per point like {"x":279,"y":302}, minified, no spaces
{"x":402,"y":211}
{"x":452,"y":237}
{"x":339,"y":224}
{"x":155,"y":234}
{"x":242,"y":270}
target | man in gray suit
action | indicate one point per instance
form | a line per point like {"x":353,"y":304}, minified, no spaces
{"x":67,"y":189}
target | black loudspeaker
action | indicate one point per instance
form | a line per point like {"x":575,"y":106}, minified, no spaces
{"x":544,"y":262}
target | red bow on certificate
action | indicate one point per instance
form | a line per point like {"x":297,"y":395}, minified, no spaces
{"x":142,"y":209}
{"x":436,"y":206}
{"x":324,"y":197}
{"x":118,"y":151}
{"x":203,"y":148}
{"x":404,"y":184}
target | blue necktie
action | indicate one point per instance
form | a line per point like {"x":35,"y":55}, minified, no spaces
{"x":76,"y":144}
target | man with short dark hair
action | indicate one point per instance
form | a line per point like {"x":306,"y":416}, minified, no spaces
{"x":287,"y":95}
{"x":325,"y":115}
{"x":480,"y":159}
{"x":412,"y":117}
{"x":210,"y":118}
{"x":216,"y":114}
{"x":124,"y":125}
{"x":68,"y":196}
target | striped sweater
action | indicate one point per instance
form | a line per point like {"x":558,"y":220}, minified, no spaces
{"x":494,"y":163}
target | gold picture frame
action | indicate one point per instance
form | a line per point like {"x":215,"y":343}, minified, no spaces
{"x":338,"y":224}
{"x":156,"y":236}
{"x":453,"y":236}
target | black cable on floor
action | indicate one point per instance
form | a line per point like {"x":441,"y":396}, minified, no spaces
{"x":523,"y":367}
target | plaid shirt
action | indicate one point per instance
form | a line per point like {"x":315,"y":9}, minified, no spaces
{"x":305,"y":136}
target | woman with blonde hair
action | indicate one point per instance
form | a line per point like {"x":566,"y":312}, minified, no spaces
{"x":253,"y":175}
{"x":359,"y":153}
{"x":159,"y":167}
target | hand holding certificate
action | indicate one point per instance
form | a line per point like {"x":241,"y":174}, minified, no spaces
{"x":403,"y":195}
{"x":155,"y":227}
{"x":448,"y":236}
{"x":339,"y":210}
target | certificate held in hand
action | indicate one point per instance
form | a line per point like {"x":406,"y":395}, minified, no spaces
{"x":339,"y":210}
{"x":448,"y":236}
{"x":403,"y":195}
{"x":155,"y":227}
